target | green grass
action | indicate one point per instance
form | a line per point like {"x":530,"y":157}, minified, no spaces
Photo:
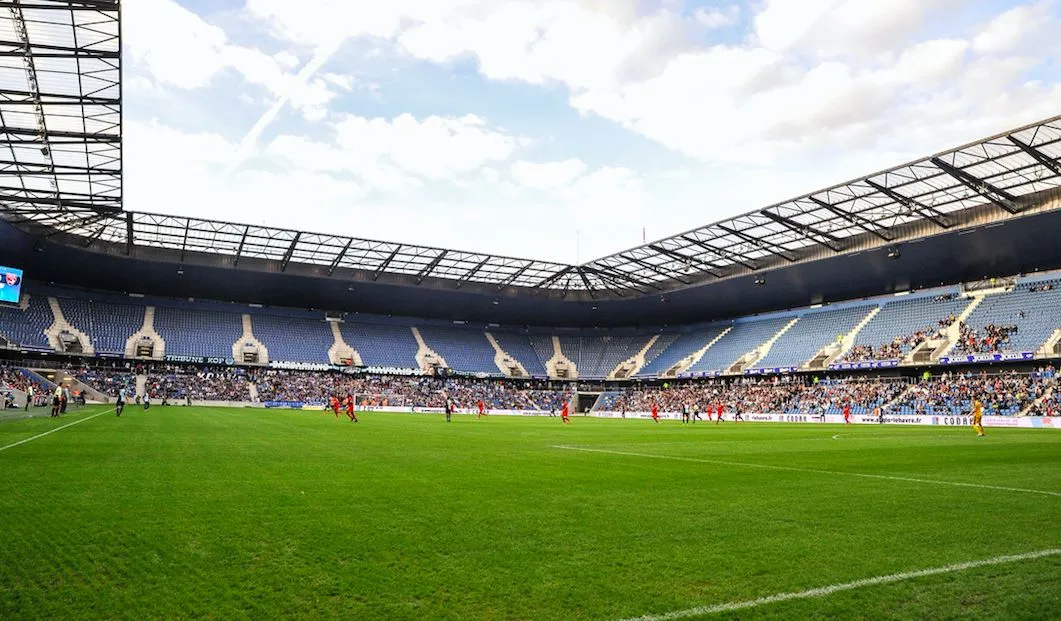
{"x":226,"y":514}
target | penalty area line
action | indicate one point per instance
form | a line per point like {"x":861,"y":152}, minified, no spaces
{"x":847,"y":586}
{"x":861,"y":475}
{"x":50,"y":432}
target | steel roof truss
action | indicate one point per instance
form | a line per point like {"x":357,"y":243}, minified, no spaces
{"x":1001,"y":198}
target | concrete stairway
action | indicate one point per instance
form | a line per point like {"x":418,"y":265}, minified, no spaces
{"x":504,"y":361}
{"x":560,"y":365}
{"x":830,"y":353}
{"x":750,"y":359}
{"x":695,"y":357}
{"x":147,"y":331}
{"x":630,"y":367}
{"x":61,"y":325}
{"x":249,"y":339}
{"x":1050,"y":347}
{"x":341,"y":349}
{"x":953,"y":331}
{"x":426,"y":357}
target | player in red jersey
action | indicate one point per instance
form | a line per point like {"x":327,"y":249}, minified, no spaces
{"x":335,"y":406}
{"x":847,"y":413}
{"x":482,"y":409}
{"x":655,"y":412}
{"x":349,"y":401}
{"x":563,"y":414}
{"x":720,"y":408}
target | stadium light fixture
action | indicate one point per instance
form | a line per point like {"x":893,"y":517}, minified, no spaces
{"x":893,"y":252}
{"x":759,"y":280}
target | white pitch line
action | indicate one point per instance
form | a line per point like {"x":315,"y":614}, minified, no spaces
{"x":861,"y":475}
{"x":48,"y":433}
{"x":836,"y":437}
{"x":847,"y":586}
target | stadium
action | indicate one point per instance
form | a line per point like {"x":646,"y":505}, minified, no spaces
{"x":843,"y":405}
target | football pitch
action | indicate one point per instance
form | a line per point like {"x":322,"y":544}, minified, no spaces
{"x":226,"y":514}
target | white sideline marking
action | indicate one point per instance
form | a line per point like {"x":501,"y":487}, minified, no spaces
{"x":847,"y":586}
{"x":836,"y":437}
{"x":884,"y":477}
{"x":48,"y":433}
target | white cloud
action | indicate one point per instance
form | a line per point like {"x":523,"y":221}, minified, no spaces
{"x":1016,"y":28}
{"x":717,"y":17}
{"x":547,"y":175}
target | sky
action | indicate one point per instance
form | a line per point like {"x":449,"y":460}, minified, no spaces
{"x":560,"y":130}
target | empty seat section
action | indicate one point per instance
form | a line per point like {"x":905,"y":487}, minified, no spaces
{"x":382,"y":345}
{"x":601,"y":354}
{"x":683,"y":345}
{"x":543,"y":344}
{"x":26,"y":327}
{"x":294,"y":339}
{"x":810,"y":334}
{"x":743,"y":338}
{"x":1034,"y":312}
{"x":463,"y":350}
{"x":200,"y":333}
{"x":108,"y":325}
{"x":520,"y":347}
{"x":895,"y":327}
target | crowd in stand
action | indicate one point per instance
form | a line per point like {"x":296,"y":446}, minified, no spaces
{"x":784,"y":395}
{"x":206,"y":383}
{"x":901,"y":345}
{"x":411,"y":391}
{"x":1004,"y":394}
{"x":991,"y":339}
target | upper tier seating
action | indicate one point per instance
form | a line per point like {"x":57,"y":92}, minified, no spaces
{"x":382,"y":345}
{"x":27,"y":327}
{"x":1034,"y":312}
{"x":597,"y":356}
{"x":543,"y":344}
{"x":199,"y":333}
{"x":810,"y":334}
{"x":463,"y":350}
{"x":108,"y":325}
{"x":294,"y":339}
{"x":682,"y":346}
{"x":900,"y":320}
{"x":519,"y":347}
{"x":743,"y":338}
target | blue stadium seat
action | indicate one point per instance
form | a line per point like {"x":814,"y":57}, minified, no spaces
{"x":382,"y":345}
{"x":745,"y":337}
{"x":27,"y":328}
{"x":463,"y":350}
{"x":681,"y":346}
{"x":519,"y":346}
{"x":810,"y":334}
{"x":294,"y":339}
{"x":196,"y":332}
{"x":108,"y":325}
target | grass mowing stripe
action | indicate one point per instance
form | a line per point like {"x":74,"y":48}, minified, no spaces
{"x":862,"y":475}
{"x":48,"y":433}
{"x":847,"y":586}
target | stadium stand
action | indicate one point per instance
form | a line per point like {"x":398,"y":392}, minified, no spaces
{"x":1005,"y":394}
{"x":903,"y":324}
{"x":810,"y":334}
{"x":294,"y":339}
{"x":464,"y":350}
{"x":109,"y":325}
{"x":543,"y":345}
{"x":597,"y":356}
{"x":27,"y":327}
{"x":198,"y":332}
{"x":382,"y":345}
{"x":682,"y":346}
{"x":743,"y":338}
{"x":519,"y":346}
{"x":1018,"y":321}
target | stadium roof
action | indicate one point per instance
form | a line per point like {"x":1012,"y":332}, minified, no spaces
{"x":61,"y":123}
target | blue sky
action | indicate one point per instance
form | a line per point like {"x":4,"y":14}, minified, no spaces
{"x":517,"y":127}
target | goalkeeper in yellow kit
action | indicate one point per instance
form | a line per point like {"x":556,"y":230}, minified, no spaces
{"x":978,"y":417}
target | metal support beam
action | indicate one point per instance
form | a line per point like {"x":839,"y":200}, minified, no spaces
{"x":916,"y":206}
{"x":511,"y":279}
{"x":184,"y":243}
{"x":242,"y":242}
{"x":999,"y":197}
{"x":128,"y":233}
{"x":758,"y":243}
{"x":95,"y":236}
{"x":472,"y":272}
{"x":809,"y":232}
{"x":339,"y":257}
{"x":621,"y":276}
{"x":854,"y":218}
{"x":430,"y":266}
{"x":290,"y":252}
{"x":67,"y":226}
{"x":723,"y":254}
{"x":1050,"y":164}
{"x":693,"y":262}
{"x":386,"y":263}
{"x":585,"y":281}
{"x":652,"y":268}
{"x":555,"y":277}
